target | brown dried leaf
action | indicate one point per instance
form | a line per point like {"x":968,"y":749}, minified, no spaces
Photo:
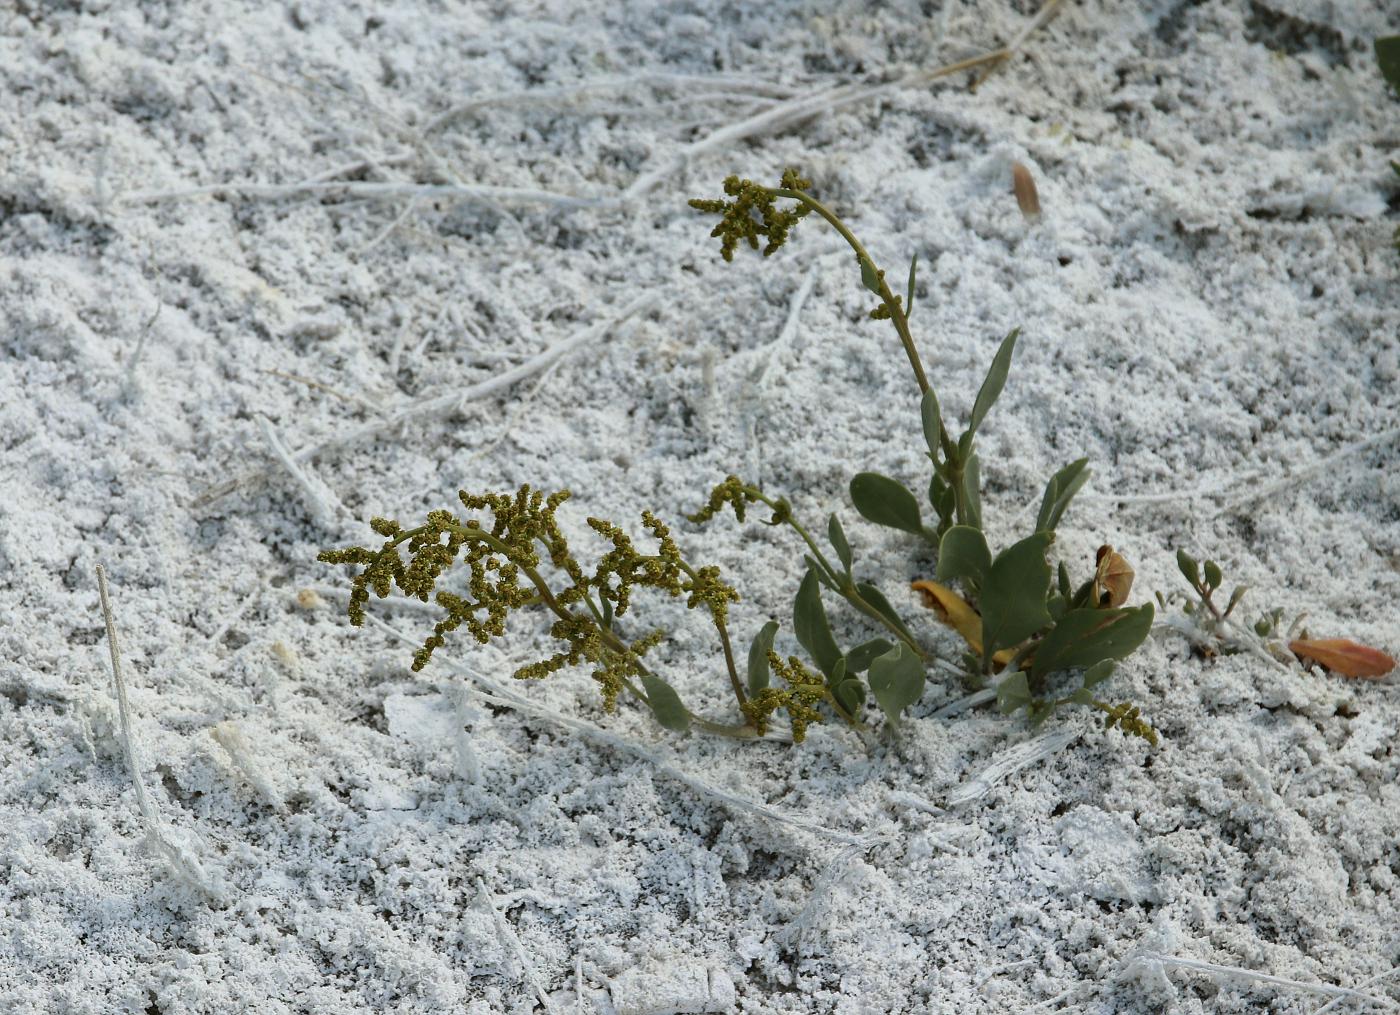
{"x":1023,"y":186}
{"x":1113,"y":578}
{"x":1343,"y":656}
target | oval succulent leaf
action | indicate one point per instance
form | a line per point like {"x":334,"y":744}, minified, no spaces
{"x":1013,"y":692}
{"x":885,"y":502}
{"x":940,"y":495}
{"x":810,"y":625}
{"x":932,"y":419}
{"x":972,"y":492}
{"x":876,"y":598}
{"x":1098,"y":673}
{"x":858,"y":659}
{"x":1388,"y":56}
{"x":665,"y":703}
{"x":1059,"y":492}
{"x":869,"y":276}
{"x":963,"y":553}
{"x":1086,"y":637}
{"x":1013,"y":596}
{"x":897,"y":681}
{"x":1189,"y":568}
{"x":849,"y":694}
{"x":759,"y":648}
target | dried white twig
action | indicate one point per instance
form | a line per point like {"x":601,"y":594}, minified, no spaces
{"x":1308,"y":472}
{"x":230,"y":737}
{"x":800,"y":108}
{"x":1042,"y":17}
{"x":1011,"y":761}
{"x":180,"y":862}
{"x":468,"y":764}
{"x":445,"y":404}
{"x":1214,"y":971}
{"x":372,"y":191}
{"x":789,"y":329}
{"x":234,"y":617}
{"x":1369,"y":982}
{"x":325,"y":506}
{"x":818,"y":903}
{"x":567,"y":93}
{"x":507,"y":932}
{"x":1254,"y":491}
{"x":1062,"y":996}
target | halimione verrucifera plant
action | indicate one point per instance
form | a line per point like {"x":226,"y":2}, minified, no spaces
{"x":1018,"y":617}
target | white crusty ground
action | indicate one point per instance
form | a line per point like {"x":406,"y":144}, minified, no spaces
{"x":1209,"y":304}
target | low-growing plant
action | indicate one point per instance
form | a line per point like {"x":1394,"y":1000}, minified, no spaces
{"x":1015,"y":613}
{"x":1214,"y":631}
{"x":1016,"y":618}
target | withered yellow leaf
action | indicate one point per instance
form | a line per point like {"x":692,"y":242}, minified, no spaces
{"x":953,"y":610}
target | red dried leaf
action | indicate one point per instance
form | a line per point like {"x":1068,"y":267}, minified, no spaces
{"x":1343,"y":656}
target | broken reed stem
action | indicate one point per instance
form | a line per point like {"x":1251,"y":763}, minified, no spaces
{"x":143,"y":802}
{"x":181,"y":865}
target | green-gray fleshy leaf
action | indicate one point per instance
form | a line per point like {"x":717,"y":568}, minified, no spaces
{"x":1013,"y":692}
{"x":869,"y":277}
{"x":1388,"y":56}
{"x":858,"y":659}
{"x":1099,"y":672}
{"x":810,"y":625}
{"x":994,"y":382}
{"x":932,"y":418}
{"x":909,"y":298}
{"x":886,"y":502}
{"x":876,"y":598}
{"x":849,"y":694}
{"x":1012,"y":599}
{"x":897,"y":681}
{"x":972,"y":492}
{"x":665,"y":703}
{"x":837,"y":535}
{"x":1086,"y":637}
{"x":1059,"y":492}
{"x":963,"y":553}
{"x":759,"y":648}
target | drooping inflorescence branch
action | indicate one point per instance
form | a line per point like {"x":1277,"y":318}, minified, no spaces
{"x":506,"y":554}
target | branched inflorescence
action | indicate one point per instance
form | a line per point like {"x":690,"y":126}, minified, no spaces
{"x":505,"y":558}
{"x":805,"y":689}
{"x":737,"y":217}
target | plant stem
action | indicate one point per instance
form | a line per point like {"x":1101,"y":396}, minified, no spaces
{"x":843,"y":581}
{"x":898,"y":317}
{"x":724,"y":643}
